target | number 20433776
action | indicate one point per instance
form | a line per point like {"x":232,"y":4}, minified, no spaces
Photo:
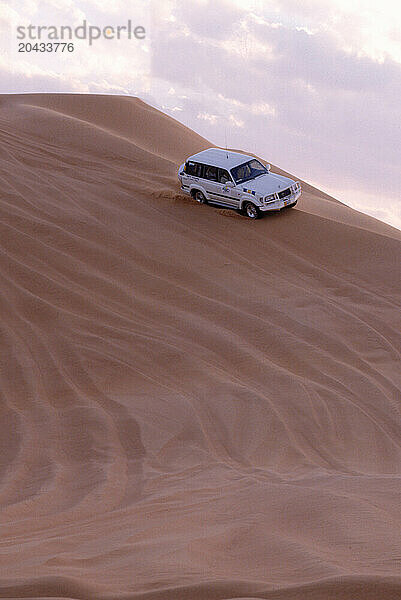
{"x":46,"y":47}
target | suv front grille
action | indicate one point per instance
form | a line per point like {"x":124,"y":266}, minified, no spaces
{"x":284,"y":193}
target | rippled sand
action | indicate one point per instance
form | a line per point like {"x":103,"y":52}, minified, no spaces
{"x":193,"y":405}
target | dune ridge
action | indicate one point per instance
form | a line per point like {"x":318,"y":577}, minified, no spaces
{"x":193,"y":405}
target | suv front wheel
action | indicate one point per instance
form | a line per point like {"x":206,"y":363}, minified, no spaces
{"x":251,"y":210}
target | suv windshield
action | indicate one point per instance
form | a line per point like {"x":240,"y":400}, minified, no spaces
{"x":248,"y":170}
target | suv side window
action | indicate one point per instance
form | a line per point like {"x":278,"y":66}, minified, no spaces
{"x":192,"y":168}
{"x":224,"y":176}
{"x":210,"y":173}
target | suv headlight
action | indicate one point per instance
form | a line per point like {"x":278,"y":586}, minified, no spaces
{"x":269,"y":198}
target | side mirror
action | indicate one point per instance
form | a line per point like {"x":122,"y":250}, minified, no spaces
{"x":229,"y":183}
{"x":268,"y":167}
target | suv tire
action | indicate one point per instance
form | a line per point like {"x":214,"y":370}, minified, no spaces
{"x":199,"y":196}
{"x":251,"y":211}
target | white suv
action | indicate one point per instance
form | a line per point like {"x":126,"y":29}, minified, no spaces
{"x":238,"y":181}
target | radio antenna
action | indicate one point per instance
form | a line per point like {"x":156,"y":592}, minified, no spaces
{"x":225,"y":139}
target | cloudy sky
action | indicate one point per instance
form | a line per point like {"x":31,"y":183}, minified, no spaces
{"x":311,"y":86}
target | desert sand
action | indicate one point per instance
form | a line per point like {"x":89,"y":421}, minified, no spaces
{"x":194,"y":405}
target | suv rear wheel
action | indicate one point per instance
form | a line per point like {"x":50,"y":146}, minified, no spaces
{"x":251,"y":210}
{"x":199,"y":196}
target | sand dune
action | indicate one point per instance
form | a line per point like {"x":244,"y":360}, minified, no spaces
{"x":193,"y":405}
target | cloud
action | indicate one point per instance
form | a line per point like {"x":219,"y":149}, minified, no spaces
{"x":34,"y":82}
{"x":305,"y":102}
{"x":209,"y":20}
{"x":108,"y":66}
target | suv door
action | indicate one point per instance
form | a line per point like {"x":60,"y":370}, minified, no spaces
{"x":228,"y":192}
{"x":217,"y":189}
{"x":192,"y":171}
